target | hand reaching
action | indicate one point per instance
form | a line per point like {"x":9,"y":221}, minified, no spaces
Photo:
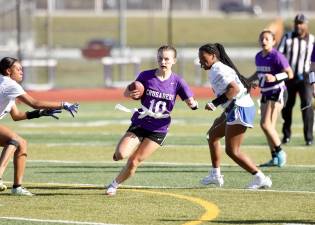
{"x":50,"y":112}
{"x":70,"y":107}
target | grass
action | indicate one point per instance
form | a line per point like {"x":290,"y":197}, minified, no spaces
{"x":70,"y":161}
{"x":151,"y":31}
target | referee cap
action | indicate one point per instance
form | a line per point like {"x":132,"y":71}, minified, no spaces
{"x":300,"y":18}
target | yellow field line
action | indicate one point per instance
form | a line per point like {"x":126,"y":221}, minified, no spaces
{"x":212,"y":211}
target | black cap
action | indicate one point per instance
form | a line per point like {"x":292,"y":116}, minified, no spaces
{"x":300,"y":18}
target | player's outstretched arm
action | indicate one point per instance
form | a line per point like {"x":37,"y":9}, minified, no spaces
{"x":40,"y":105}
{"x":17,"y":115}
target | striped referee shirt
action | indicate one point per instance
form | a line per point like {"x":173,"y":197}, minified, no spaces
{"x":298,"y":52}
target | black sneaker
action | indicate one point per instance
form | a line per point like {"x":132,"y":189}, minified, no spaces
{"x":285,"y":140}
{"x":308,"y":143}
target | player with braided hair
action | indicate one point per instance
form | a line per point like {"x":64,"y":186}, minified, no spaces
{"x":232,"y":93}
{"x":12,"y":143}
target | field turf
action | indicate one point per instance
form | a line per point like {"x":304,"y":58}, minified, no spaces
{"x":70,"y":162}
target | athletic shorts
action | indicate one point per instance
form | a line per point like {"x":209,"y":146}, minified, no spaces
{"x":280,"y":96}
{"x":241,"y":115}
{"x":143,"y":133}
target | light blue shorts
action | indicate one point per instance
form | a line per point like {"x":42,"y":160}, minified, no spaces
{"x":241,"y":115}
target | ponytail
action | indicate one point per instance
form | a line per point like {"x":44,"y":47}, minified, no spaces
{"x":224,"y":58}
{"x":220,"y":53}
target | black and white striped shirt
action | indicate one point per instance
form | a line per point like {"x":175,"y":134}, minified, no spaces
{"x":298,"y":51}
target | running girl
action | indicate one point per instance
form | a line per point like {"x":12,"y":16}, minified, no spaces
{"x":232,"y":93}
{"x":149,"y":125}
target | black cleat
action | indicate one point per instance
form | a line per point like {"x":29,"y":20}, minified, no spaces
{"x":285,"y":140}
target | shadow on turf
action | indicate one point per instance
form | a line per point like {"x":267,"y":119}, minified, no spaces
{"x":296,"y":221}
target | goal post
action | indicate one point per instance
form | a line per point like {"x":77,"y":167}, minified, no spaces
{"x":35,"y":78}
{"x":108,"y":66}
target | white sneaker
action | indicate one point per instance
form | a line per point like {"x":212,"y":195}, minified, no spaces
{"x":213,"y":179}
{"x":111,"y":190}
{"x":259,"y":183}
{"x":21,"y":191}
{"x":2,"y":186}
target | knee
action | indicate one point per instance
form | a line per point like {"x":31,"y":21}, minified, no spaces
{"x":118,"y":156}
{"x":22,"y":149}
{"x":133,"y":163}
{"x":232,"y":153}
{"x":211,"y":138}
{"x":264,"y":126}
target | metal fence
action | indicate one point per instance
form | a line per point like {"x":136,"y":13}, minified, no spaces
{"x":204,"y":6}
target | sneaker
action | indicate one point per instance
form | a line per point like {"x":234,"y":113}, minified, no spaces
{"x":2,"y":186}
{"x":309,"y":143}
{"x":111,"y":190}
{"x":213,"y":179}
{"x":21,"y":191}
{"x":285,"y":140}
{"x":271,"y":162}
{"x":260,"y":183}
{"x":282,"y":158}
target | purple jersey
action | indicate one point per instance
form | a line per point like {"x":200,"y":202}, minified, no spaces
{"x":313,"y":54}
{"x":159,"y":97}
{"x":274,"y":62}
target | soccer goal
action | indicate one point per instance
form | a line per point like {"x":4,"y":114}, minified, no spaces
{"x":39,"y":74}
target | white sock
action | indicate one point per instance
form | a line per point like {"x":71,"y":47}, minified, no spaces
{"x":115,"y":184}
{"x":216,"y":171}
{"x":260,"y":175}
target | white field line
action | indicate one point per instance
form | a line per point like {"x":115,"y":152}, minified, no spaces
{"x":52,"y":221}
{"x":295,"y":223}
{"x":98,"y":123}
{"x":104,"y":143}
{"x":125,"y":187}
{"x":149,"y":163}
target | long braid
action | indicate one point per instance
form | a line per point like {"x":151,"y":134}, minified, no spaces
{"x":224,"y":58}
{"x":220,"y":53}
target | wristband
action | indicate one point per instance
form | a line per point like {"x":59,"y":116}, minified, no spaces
{"x":33,"y":114}
{"x":220,"y":100}
{"x":312,"y":77}
{"x":281,"y":76}
{"x":194,"y":106}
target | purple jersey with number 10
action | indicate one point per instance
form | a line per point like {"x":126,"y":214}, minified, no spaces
{"x":159,"y":96}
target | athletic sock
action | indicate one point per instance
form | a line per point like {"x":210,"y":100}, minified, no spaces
{"x":16,"y":185}
{"x":278,"y":148}
{"x":216,"y":171}
{"x":114,"y":184}
{"x":259,"y":174}
{"x":273,"y":154}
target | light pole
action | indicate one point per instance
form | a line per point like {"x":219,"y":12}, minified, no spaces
{"x":18,"y":29}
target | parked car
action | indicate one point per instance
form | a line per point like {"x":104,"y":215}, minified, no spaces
{"x":237,"y":7}
{"x":97,"y":48}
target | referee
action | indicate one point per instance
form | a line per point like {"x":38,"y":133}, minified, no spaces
{"x":297,"y":46}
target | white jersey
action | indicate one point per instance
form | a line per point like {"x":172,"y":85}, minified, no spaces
{"x":9,"y":90}
{"x":220,"y":76}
